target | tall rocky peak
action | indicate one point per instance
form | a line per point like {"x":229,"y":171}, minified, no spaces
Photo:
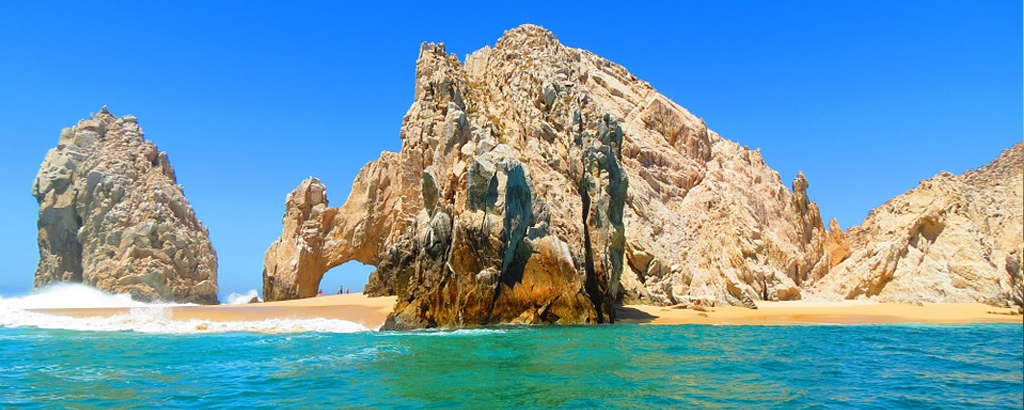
{"x":112,"y":216}
{"x":538,"y":183}
{"x":951,"y":239}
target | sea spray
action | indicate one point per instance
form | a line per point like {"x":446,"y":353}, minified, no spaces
{"x":16,"y":312}
{"x":73,"y":296}
{"x":241,"y":298}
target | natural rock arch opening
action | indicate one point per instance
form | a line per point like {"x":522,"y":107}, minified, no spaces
{"x":317,"y":238}
{"x":351,"y":275}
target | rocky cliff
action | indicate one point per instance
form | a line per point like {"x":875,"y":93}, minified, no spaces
{"x":951,"y":239}
{"x":112,"y":216}
{"x":539,"y":183}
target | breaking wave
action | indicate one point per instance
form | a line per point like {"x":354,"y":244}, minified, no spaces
{"x":74,"y":296}
{"x":134,"y":316}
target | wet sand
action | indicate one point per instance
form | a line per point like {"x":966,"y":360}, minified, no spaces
{"x":801,"y":312}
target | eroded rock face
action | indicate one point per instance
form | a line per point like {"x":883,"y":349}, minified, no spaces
{"x":539,"y":183}
{"x":112,"y":216}
{"x":306,"y":216}
{"x":951,"y":239}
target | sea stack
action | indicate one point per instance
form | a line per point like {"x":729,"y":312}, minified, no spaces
{"x":539,"y":183}
{"x":954,"y":238}
{"x":112,"y":216}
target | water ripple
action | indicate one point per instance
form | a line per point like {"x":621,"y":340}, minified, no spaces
{"x":621,"y":366}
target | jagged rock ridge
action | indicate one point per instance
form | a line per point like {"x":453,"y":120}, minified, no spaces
{"x":951,"y":239}
{"x":112,"y":216}
{"x":533,"y":181}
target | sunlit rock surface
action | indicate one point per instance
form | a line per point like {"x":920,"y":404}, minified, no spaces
{"x":112,"y":216}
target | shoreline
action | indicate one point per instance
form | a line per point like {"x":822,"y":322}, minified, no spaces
{"x":371,"y":312}
{"x":804,"y":312}
{"x":367,"y":311}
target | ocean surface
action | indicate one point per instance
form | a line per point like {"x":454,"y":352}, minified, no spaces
{"x":609,"y":366}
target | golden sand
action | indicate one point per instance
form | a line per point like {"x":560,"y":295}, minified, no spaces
{"x":355,"y":307}
{"x":799,"y":312}
{"x":372,"y":311}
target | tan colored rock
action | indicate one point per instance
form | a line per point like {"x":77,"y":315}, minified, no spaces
{"x":835,"y":244}
{"x":538,"y":183}
{"x":951,"y":239}
{"x":307,"y":215}
{"x":112,"y":216}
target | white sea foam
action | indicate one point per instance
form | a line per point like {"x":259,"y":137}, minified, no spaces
{"x":446,"y":332}
{"x":241,"y":298}
{"x":140,"y":317}
{"x":73,"y":295}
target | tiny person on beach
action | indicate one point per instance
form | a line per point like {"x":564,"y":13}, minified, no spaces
{"x":341,"y":290}
{"x":319,"y":292}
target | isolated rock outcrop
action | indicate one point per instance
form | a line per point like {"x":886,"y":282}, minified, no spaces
{"x":539,"y":183}
{"x":951,"y":239}
{"x":112,"y":216}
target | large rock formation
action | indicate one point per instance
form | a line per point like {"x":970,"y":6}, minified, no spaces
{"x":951,"y":239}
{"x":111,"y":216}
{"x":539,"y":183}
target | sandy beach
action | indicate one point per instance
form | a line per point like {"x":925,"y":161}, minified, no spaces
{"x":354,"y":307}
{"x":372,"y":311}
{"x":800,"y":312}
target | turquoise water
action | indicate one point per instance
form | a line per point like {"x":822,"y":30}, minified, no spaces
{"x":617,"y":366}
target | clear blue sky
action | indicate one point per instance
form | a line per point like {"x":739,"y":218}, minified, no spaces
{"x":866,"y":98}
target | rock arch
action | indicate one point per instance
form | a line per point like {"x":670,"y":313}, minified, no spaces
{"x":317,"y":238}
